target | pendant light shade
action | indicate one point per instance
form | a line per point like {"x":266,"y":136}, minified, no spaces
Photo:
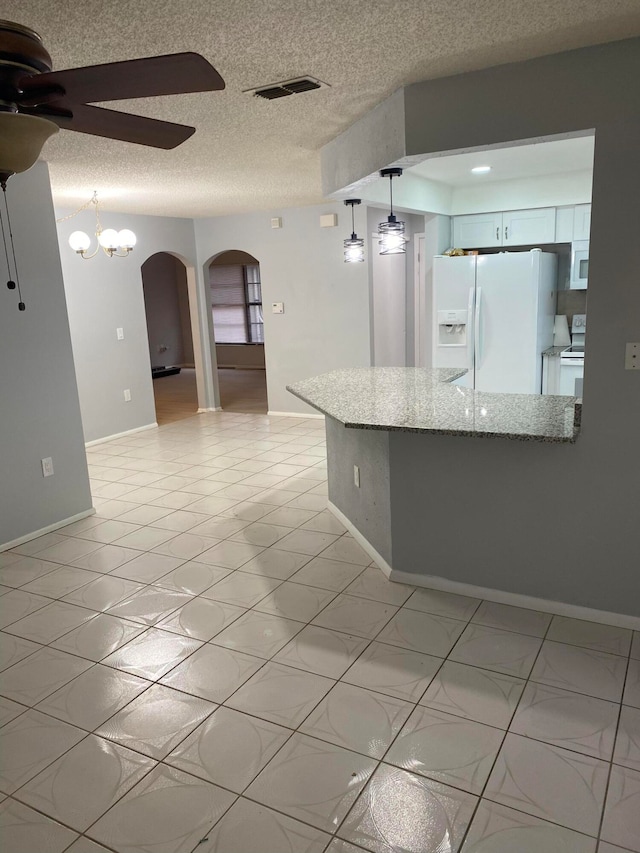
{"x":354,"y":245}
{"x":391,"y":233}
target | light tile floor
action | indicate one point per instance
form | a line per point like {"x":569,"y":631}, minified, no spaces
{"x":211,"y":663}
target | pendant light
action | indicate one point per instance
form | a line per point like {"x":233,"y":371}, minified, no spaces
{"x":354,"y":245}
{"x":391,"y":233}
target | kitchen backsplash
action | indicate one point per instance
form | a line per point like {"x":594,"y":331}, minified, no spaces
{"x":572,"y":302}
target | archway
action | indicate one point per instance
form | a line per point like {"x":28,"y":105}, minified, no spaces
{"x":171,"y":340}
{"x":235,"y":296}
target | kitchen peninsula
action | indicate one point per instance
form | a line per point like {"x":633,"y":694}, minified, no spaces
{"x":415,"y":480}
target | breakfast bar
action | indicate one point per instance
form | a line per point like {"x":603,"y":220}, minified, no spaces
{"x":416,"y":482}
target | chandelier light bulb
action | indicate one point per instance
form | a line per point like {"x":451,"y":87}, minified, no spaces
{"x":79,"y":241}
{"x":126,"y":239}
{"x":108,"y":239}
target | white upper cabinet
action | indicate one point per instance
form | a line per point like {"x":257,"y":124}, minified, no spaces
{"x":534,"y":227}
{"x":581,"y":221}
{"x":524,"y":227}
{"x":477,"y":230}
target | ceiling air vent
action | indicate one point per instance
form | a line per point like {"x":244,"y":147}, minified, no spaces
{"x":288,"y":87}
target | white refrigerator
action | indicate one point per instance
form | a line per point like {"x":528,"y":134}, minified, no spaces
{"x":493,"y":314}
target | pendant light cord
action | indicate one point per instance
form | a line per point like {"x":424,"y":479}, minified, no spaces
{"x":391,"y":195}
{"x":13,"y":248}
{"x":353,"y":223}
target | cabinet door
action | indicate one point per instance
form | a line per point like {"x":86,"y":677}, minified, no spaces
{"x":581,"y":221}
{"x":477,"y":230}
{"x":529,"y":227}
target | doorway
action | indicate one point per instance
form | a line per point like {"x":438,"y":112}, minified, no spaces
{"x":235,"y":292}
{"x":171,"y":354}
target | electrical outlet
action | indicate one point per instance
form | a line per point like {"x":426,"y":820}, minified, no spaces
{"x":120,"y":333}
{"x":47,"y":467}
{"x":127,"y":395}
{"x":356,"y":476}
{"x":632,"y":357}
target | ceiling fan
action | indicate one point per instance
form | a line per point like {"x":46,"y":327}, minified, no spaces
{"x":35,"y":101}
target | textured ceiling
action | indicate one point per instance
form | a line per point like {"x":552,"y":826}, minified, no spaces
{"x":250,"y":154}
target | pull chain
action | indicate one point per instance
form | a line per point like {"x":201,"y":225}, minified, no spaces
{"x":11,"y":284}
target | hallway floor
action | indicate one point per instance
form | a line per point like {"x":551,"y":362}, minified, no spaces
{"x":176,"y":396}
{"x":211,"y":663}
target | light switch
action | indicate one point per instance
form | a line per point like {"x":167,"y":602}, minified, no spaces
{"x":277,"y":307}
{"x":120,"y":333}
{"x":47,"y":467}
{"x":127,"y":395}
{"x":276,"y":222}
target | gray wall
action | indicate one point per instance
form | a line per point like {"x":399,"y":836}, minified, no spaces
{"x":437,"y":240}
{"x":163,"y":281}
{"x":185,"y":316}
{"x":368,"y":507}
{"x":392,"y":283}
{"x":554,"y":521}
{"x":250,"y":356}
{"x":39,"y":411}
{"x":326,"y":302}
{"x":104,"y":294}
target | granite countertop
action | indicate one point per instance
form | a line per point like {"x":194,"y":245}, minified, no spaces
{"x":556,"y":350}
{"x":411,"y":399}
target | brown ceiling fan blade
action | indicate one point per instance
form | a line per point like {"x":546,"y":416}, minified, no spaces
{"x":174,"y":74}
{"x":115,"y":125}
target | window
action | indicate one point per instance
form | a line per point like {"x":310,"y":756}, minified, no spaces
{"x":236,"y":303}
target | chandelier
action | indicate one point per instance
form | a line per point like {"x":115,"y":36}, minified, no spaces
{"x":113,"y":243}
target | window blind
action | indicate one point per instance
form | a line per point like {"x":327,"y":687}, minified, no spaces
{"x":228,"y":304}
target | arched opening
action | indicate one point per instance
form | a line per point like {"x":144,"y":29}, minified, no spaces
{"x":169,"y":329}
{"x":235,"y":294}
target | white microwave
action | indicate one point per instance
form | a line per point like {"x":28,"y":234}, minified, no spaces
{"x":579,"y":265}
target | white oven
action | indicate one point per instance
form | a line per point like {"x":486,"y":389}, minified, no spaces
{"x":572,"y":359}
{"x":579,"y":265}
{"x":571,"y":372}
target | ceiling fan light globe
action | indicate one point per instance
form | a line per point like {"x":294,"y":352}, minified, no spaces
{"x":79,"y":241}
{"x":108,"y":239}
{"x":21,"y":140}
{"x":126,"y":239}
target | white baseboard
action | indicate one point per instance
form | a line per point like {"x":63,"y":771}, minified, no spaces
{"x":240,"y":366}
{"x":530,"y":602}
{"x":364,"y":543}
{"x":48,"y":529}
{"x":120,"y":434}
{"x":212,"y":409}
{"x":294,"y":415}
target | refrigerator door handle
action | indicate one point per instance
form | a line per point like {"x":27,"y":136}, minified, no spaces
{"x":470,"y":328}
{"x":476,"y":329}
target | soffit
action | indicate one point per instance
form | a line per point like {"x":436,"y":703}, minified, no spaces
{"x":249,"y":154}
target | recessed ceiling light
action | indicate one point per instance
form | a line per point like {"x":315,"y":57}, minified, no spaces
{"x":481,"y":170}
